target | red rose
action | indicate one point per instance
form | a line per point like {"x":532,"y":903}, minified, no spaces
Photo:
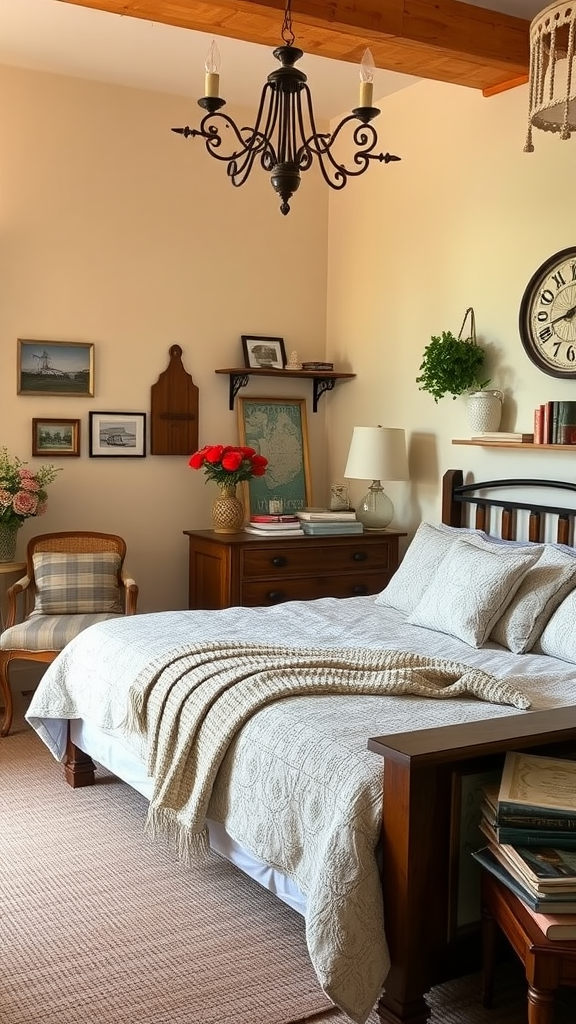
{"x":259,"y":464}
{"x":232,"y":460}
{"x":196,"y":461}
{"x":213,"y":453}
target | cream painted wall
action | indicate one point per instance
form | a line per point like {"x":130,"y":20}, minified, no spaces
{"x":463,"y":220}
{"x":117,"y":232}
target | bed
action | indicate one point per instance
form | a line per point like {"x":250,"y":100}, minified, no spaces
{"x":334,"y":764}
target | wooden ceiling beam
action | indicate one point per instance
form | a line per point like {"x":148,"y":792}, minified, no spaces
{"x":444,"y":40}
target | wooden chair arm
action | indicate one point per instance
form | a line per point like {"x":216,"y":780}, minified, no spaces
{"x":130,"y":594}
{"x":12,"y":595}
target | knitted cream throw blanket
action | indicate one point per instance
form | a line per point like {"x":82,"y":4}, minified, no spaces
{"x":191,"y":709}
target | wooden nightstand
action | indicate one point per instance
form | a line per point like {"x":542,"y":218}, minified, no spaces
{"x":239,"y":569}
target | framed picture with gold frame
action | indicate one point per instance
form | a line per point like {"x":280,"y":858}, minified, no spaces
{"x":55,"y":437}
{"x":277,"y":428}
{"x":62,"y":368}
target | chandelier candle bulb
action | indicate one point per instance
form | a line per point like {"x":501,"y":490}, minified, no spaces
{"x":212,"y":65}
{"x":366,"y":79}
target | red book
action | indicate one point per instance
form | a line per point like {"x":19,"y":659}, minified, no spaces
{"x":274,"y":519}
{"x":539,"y":425}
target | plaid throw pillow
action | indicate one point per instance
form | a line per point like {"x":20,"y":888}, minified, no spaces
{"x":71,"y":584}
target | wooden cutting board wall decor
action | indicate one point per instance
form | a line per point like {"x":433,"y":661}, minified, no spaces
{"x":174,"y":410}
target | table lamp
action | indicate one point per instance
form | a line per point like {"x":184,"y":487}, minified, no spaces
{"x":376,"y":453}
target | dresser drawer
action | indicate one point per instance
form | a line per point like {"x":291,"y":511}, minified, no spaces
{"x":267,"y":592}
{"x":314,"y":558}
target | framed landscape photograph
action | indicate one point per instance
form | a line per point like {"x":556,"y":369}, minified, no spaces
{"x":55,"y":437}
{"x":264,"y":353}
{"x":55,"y":368}
{"x":117,"y":434}
{"x":277,"y":428}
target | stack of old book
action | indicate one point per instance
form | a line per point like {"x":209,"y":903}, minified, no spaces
{"x":529,"y":821}
{"x":274,"y":526}
{"x":326,"y":522}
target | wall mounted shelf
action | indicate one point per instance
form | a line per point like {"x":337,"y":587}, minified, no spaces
{"x":521,"y":445}
{"x":323,"y":380}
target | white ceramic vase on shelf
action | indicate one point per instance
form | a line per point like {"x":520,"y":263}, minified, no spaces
{"x":485,"y":410}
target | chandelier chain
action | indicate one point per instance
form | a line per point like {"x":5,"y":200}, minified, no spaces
{"x":287,"y":32}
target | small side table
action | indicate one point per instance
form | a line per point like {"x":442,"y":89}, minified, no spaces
{"x":7,"y":568}
{"x":548,"y":964}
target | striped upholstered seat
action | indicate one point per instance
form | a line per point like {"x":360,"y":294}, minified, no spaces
{"x":72,"y":581}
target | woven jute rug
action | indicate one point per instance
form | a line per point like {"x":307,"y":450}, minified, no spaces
{"x":102,"y":925}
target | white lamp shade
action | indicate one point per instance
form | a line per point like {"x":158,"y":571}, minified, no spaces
{"x":377,"y":453}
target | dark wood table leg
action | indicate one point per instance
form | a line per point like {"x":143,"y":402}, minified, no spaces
{"x":540,"y":1006}
{"x":79,"y":769}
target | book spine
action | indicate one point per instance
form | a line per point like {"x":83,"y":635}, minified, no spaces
{"x":538,"y":425}
{"x":546,"y":422}
{"x":534,"y":818}
{"x":534,"y":837}
{"x":554,"y":423}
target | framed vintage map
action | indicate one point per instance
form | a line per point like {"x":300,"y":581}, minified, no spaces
{"x":277,"y":428}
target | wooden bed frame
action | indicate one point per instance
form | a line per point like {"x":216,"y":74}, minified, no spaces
{"x":421,"y":788}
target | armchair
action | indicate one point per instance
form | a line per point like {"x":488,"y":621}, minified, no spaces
{"x":73,"y":579}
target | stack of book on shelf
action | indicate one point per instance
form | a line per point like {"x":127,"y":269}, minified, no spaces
{"x":504,"y":436}
{"x":274,"y":526}
{"x":529,"y":821}
{"x":555,"y":423}
{"x":326,"y":522}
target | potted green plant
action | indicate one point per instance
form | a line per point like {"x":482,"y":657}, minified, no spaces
{"x":451,"y":366}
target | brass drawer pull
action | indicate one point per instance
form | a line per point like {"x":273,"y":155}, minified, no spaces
{"x":279,"y":561}
{"x":359,"y":556}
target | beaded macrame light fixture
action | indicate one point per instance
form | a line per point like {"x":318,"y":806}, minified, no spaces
{"x":552,"y":83}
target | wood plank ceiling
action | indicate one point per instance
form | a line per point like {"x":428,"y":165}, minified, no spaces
{"x":444,"y":40}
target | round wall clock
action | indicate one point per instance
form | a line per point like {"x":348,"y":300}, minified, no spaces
{"x":547,"y":318}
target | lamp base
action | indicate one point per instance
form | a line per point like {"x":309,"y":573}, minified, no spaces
{"x":375,"y":511}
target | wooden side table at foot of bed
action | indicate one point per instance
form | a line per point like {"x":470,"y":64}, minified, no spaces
{"x":240,"y":569}
{"x":548,"y":964}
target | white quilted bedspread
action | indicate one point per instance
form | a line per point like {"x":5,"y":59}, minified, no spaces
{"x":301,"y":751}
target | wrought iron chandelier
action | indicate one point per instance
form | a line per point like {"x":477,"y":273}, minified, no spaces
{"x":552,"y":84}
{"x":285,"y":139}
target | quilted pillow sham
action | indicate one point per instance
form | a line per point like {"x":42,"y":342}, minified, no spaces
{"x":543,"y":588}
{"x":472,"y":586}
{"x":559,"y":636}
{"x":70,"y":584}
{"x":417,"y":568}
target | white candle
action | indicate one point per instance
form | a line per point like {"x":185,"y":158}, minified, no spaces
{"x":212,"y":65}
{"x":366,"y":89}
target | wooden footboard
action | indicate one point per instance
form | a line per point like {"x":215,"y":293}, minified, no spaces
{"x":420,"y":768}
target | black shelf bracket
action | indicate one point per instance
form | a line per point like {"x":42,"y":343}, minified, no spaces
{"x":321,"y":384}
{"x":237,"y":381}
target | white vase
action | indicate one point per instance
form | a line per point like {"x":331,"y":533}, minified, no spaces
{"x":485,"y":410}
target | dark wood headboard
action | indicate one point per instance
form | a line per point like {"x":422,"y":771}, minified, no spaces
{"x":489,"y":494}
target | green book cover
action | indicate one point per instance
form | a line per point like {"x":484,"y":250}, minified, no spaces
{"x":566,"y":423}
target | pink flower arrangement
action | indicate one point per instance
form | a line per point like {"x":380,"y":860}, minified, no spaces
{"x":227,"y":465}
{"x":22,"y":492}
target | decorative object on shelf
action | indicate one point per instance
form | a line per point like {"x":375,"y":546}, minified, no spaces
{"x":174,"y":409}
{"x":547,"y":318}
{"x":62,"y":368}
{"x":552,"y":82}
{"x":23,"y":494}
{"x":339,"y":497}
{"x":293,"y":363}
{"x":485,"y":410}
{"x":377,"y":453}
{"x":228,"y":466}
{"x":261,"y":353}
{"x":117,"y":435}
{"x":451,"y":366}
{"x":318,"y":366}
{"x":285,"y":139}
{"x":55,"y":437}
{"x":277,"y":426}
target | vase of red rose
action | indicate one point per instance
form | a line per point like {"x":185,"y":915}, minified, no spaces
{"x":228,"y":466}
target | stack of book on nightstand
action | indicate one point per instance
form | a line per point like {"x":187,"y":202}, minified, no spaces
{"x":274,"y":526}
{"x":326,"y":522}
{"x":529,"y":821}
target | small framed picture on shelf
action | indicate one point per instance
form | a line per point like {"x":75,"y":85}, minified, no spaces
{"x":117,"y":434}
{"x":62,"y":368}
{"x":263,"y":353}
{"x":55,"y":437}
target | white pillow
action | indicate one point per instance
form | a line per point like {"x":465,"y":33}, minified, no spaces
{"x":471,"y":588}
{"x":417,"y":568}
{"x":559,"y":636}
{"x":543,"y":588}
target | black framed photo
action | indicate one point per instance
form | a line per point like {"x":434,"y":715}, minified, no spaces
{"x":55,"y":437}
{"x":117,"y":434}
{"x":55,"y":368}
{"x":263,"y":353}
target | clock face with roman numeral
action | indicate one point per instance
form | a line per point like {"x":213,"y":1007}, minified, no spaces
{"x":548,"y":315}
